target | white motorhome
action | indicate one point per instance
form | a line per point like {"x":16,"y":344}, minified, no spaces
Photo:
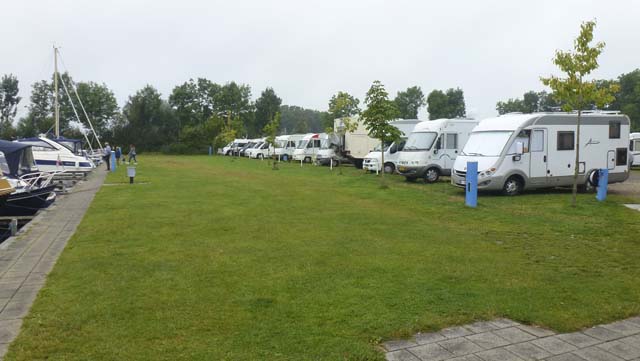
{"x":526,"y":151}
{"x":257,"y":144}
{"x":285,"y":145}
{"x":634,"y":147}
{"x":432,"y":147}
{"x":373,"y":160}
{"x":308,"y":147}
{"x":233,"y":147}
{"x":261,"y":151}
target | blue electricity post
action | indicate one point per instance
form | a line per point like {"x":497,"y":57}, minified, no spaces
{"x":210,"y":150}
{"x":603,"y":182}
{"x":471,"y":197}
{"x":113,"y":161}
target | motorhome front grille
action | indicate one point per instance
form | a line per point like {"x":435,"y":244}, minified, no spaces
{"x":460,"y":173}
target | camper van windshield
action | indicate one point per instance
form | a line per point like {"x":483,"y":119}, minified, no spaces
{"x":486,"y":144}
{"x":420,"y":140}
{"x":386,"y":146}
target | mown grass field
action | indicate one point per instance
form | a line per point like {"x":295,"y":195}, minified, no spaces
{"x":215,"y":259}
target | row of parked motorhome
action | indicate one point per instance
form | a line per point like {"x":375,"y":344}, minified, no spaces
{"x":514,"y":152}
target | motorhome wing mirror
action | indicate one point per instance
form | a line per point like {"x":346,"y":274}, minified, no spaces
{"x":519,"y":148}
{"x":435,"y":151}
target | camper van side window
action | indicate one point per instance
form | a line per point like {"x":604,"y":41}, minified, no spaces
{"x":452,"y":141}
{"x":621,"y":156}
{"x":614,"y":130}
{"x":537,"y":141}
{"x":566,"y":141}
{"x":438,"y":143}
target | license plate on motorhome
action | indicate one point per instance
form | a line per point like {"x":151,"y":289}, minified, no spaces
{"x":402,"y":169}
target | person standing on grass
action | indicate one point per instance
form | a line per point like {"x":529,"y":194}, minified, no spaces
{"x":118,"y":155}
{"x":107,"y":155}
{"x":132,"y":153}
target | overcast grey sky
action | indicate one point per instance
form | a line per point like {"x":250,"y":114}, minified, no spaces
{"x":309,"y":50}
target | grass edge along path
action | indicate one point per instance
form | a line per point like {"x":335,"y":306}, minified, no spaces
{"x":220,"y":259}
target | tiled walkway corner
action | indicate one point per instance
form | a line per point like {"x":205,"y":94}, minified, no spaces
{"x":506,"y":340}
{"x":27,"y":258}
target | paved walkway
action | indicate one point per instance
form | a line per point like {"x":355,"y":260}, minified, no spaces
{"x":506,"y":340}
{"x":26,"y":259}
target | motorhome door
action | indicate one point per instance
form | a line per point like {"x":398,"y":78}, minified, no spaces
{"x":538,"y":170}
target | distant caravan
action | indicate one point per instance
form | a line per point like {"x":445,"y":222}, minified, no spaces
{"x":526,"y":151}
{"x":634,"y":147}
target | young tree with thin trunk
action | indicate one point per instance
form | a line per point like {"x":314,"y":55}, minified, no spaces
{"x":574,"y":91}
{"x":271,"y":130}
{"x":380,"y":111}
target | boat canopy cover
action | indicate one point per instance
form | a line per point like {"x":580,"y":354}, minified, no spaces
{"x":18,"y":156}
{"x":74,"y":145}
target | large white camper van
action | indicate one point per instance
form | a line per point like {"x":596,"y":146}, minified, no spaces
{"x":286,"y":145}
{"x":308,"y":147}
{"x":634,"y":147}
{"x":432,"y":147}
{"x":524,"y":151}
{"x":373,"y":159}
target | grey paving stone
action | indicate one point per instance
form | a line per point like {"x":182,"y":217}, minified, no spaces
{"x":554,"y":345}
{"x":631,"y":340}
{"x":528,"y":351}
{"x":482,"y":326}
{"x":498,"y":354}
{"x":453,"y":332}
{"x":536,"y":331}
{"x":504,"y":323}
{"x":566,"y":357}
{"x":9,"y":330}
{"x":488,"y":340}
{"x":401,"y":355}
{"x":621,"y":349}
{"x":7,"y":291}
{"x":460,"y":346}
{"x":398,"y":344}
{"x":4,"y":347}
{"x":593,"y":353}
{"x":424,"y":338}
{"x":602,"y":333}
{"x":514,"y":335}
{"x":579,"y":339}
{"x":14,"y":310}
{"x":431,"y":352}
{"x":625,"y":328}
{"x":466,"y":358}
{"x":635,"y":320}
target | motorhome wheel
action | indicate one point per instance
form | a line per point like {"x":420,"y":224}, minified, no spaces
{"x":431,"y":175}
{"x":285,"y":157}
{"x":389,"y":168}
{"x":335,"y":162}
{"x":260,"y":156}
{"x":307,"y":159}
{"x":512,"y":187}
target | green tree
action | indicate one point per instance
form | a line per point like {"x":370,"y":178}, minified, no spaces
{"x":628,"y":97}
{"x":449,"y":104}
{"x":194,"y":102}
{"x":574,"y":91}
{"x":380,"y":111}
{"x":296,"y":119}
{"x":510,"y":106}
{"x":149,"y":121}
{"x":531,"y":102}
{"x":100,"y":104}
{"x":409,"y":102}
{"x":341,"y":105}
{"x":9,"y":100}
{"x":233,"y":101}
{"x":267,"y":106}
{"x":271,"y":130}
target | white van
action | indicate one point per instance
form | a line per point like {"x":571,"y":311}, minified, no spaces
{"x":525,"y":151}
{"x":308,"y":147}
{"x":634,"y":147}
{"x":260,"y":151}
{"x":232,"y":147}
{"x":432,"y":147}
{"x":285,"y":145}
{"x":373,"y":159}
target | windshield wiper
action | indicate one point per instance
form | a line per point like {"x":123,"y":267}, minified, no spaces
{"x":480,"y":154}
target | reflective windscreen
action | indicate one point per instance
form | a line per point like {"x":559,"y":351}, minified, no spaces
{"x":420,"y":141}
{"x":486,"y":144}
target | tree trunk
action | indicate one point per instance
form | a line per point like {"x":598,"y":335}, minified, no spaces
{"x":577,"y":164}
{"x":382,"y":153}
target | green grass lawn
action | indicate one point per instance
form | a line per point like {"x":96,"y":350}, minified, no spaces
{"x":215,"y":259}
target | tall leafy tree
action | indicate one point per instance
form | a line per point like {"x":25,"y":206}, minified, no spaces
{"x":449,"y":104}
{"x":9,"y":100}
{"x":378,"y":115}
{"x":531,"y":102}
{"x":267,"y":106}
{"x":271,"y":130}
{"x":628,"y":97}
{"x":574,"y":90}
{"x":148,"y":122}
{"x":194,"y":102}
{"x":409,"y":102}
{"x":342,"y":105}
{"x":233,"y":101}
{"x":296,"y":119}
{"x":100,"y":104}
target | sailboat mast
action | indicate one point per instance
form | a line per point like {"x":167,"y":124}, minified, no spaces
{"x":56,"y":105}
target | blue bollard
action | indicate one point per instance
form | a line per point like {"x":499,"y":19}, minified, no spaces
{"x":471,"y":197}
{"x":603,"y":183}
{"x":210,"y":150}
{"x":113,"y":161}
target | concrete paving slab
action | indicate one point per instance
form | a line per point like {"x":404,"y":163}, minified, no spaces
{"x":593,"y":353}
{"x":498,"y":354}
{"x":488,"y":340}
{"x":528,"y":351}
{"x":554,"y":345}
{"x":621,"y":349}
